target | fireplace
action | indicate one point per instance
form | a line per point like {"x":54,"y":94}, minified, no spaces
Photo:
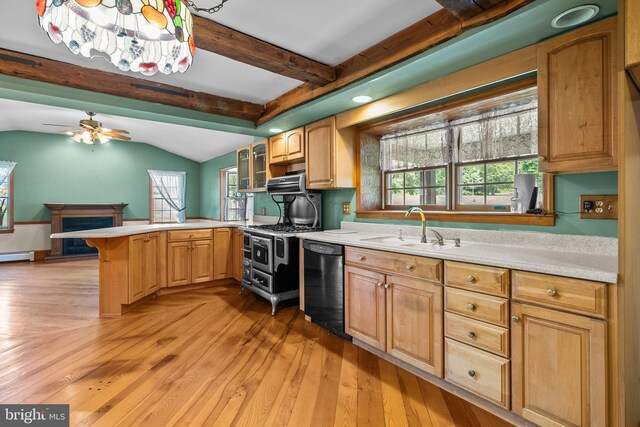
{"x":76,"y":217}
{"x":75,"y":247}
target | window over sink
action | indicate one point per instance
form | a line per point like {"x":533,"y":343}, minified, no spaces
{"x":458,"y":159}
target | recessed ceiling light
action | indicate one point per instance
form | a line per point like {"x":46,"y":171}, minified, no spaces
{"x":575,"y":16}
{"x":275,"y":130}
{"x":361,"y":99}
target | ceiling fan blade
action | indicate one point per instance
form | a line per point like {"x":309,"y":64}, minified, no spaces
{"x":117,"y":136}
{"x":64,"y":126}
{"x":72,"y":131}
{"x":116,"y":131}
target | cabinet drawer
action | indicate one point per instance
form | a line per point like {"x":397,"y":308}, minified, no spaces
{"x":406,"y":265}
{"x":575,"y":295}
{"x":482,"y":373}
{"x":479,"y":278}
{"x":477,"y":334}
{"x":190,"y":234}
{"x":478,"y":306}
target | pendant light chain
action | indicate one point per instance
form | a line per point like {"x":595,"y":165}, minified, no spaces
{"x":212,"y":10}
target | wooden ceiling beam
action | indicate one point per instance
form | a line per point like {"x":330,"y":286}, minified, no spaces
{"x":421,"y":36}
{"x":61,"y":73}
{"x":461,"y":9}
{"x":217,"y":38}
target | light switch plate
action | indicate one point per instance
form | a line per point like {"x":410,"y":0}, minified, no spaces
{"x":346,"y":208}
{"x":602,"y":207}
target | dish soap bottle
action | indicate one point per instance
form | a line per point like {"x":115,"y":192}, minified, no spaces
{"x":516,"y":202}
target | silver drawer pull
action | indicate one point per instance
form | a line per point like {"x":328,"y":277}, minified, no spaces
{"x":409,"y":267}
{"x":472,"y":374}
{"x":471,"y":306}
{"x":552,"y":292}
{"x":471,"y":278}
{"x":362,"y":258}
{"x":472,"y":335}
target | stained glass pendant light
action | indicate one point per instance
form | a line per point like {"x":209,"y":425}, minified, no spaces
{"x":144,"y":36}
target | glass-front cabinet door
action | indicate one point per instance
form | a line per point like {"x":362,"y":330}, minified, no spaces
{"x":259,"y":157}
{"x":244,"y":168}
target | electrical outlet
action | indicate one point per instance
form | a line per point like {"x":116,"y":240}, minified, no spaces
{"x":599,"y":207}
{"x":346,"y":208}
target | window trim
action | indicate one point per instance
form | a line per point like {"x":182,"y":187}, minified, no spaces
{"x":481,"y":208}
{"x":10,"y":222}
{"x":152,"y":210}
{"x":446,"y":187}
{"x":474,"y":216}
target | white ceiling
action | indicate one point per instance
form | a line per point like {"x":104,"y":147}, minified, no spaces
{"x":193,"y":143}
{"x":328,"y":31}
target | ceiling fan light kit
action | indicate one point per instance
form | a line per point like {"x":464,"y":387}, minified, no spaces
{"x":144,"y":36}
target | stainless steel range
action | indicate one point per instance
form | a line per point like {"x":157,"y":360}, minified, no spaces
{"x":271,"y":267}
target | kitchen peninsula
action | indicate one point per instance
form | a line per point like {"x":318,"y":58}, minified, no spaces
{"x":140,"y":261}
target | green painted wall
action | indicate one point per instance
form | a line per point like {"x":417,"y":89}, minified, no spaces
{"x":52,"y":168}
{"x":210,"y":184}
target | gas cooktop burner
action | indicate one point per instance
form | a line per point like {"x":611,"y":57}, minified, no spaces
{"x":283,"y":228}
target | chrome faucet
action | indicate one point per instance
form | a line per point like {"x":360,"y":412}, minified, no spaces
{"x":423,"y":239}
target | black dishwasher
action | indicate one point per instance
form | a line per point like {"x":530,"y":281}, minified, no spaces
{"x":324,"y":285}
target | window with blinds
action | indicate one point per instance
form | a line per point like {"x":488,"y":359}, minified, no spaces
{"x":466,"y":164}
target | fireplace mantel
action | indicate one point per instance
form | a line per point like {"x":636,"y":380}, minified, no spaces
{"x":59,"y":211}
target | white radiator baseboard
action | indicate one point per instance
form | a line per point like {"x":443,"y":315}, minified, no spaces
{"x":21,"y":256}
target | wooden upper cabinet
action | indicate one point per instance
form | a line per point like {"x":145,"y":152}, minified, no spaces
{"x":243,"y":160}
{"x":577,"y":98}
{"x":277,"y":149}
{"x":414,"y":323}
{"x":330,"y":160}
{"x":287,"y":147}
{"x":295,"y":144}
{"x":222,"y":253}
{"x":259,"y":166}
{"x":558,"y":367}
{"x":365,"y":317}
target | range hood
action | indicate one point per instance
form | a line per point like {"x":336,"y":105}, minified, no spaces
{"x":288,"y":184}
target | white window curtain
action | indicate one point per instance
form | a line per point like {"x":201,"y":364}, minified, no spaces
{"x":417,"y":148}
{"x":5,"y":170}
{"x":509,"y":132}
{"x":504,"y":133}
{"x":163,"y":181}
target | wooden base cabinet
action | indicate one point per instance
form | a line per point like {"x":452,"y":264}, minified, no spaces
{"x":143,"y":266}
{"x":398,"y":315}
{"x":558,"y":367}
{"x":238,"y":254}
{"x":190,"y":257}
{"x":222,"y":252}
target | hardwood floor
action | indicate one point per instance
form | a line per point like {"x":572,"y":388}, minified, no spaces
{"x":207,"y":357}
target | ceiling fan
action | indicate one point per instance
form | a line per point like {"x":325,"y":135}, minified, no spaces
{"x":91,"y":131}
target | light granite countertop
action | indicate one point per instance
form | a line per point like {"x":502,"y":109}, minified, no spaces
{"x":535,"y":252}
{"x":129,"y":230}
